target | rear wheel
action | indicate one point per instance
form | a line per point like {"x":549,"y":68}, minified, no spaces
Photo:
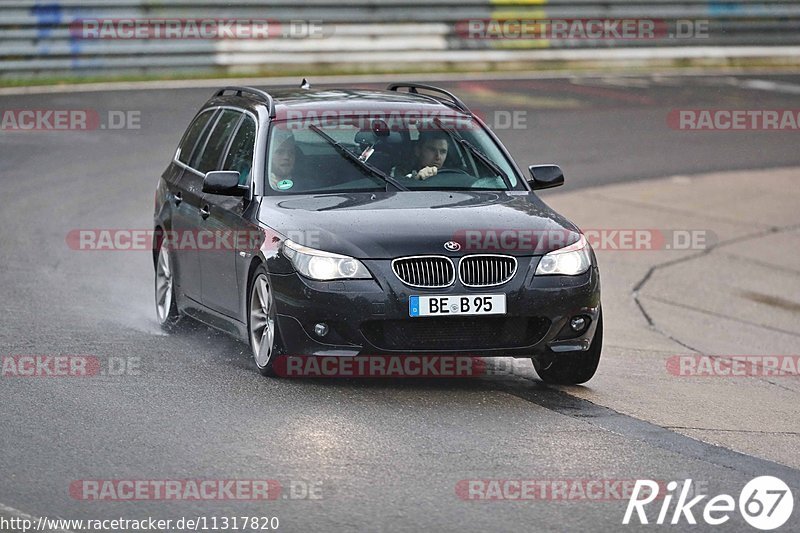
{"x":166,"y":306}
{"x":572,"y":368}
{"x":262,"y":324}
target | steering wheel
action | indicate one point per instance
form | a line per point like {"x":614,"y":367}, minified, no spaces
{"x":446,"y":177}
{"x":450,"y":171}
{"x":488,"y":183}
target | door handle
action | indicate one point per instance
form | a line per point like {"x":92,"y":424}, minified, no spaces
{"x":205,"y":211}
{"x":178,"y":198}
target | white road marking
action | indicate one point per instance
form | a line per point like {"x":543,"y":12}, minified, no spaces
{"x":766,"y":85}
{"x":638,"y":83}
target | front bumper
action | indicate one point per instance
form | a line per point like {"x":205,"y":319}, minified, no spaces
{"x":367,"y":317}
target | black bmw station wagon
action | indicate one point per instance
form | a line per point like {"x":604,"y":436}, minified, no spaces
{"x":374,"y":222}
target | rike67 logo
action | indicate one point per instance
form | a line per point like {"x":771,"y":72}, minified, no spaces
{"x":765,"y":503}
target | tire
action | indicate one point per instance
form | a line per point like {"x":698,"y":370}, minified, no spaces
{"x":166,"y":306}
{"x":262,"y":325}
{"x":573,"y":368}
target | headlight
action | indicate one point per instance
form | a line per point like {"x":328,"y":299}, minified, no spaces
{"x":568,"y":261}
{"x":323,"y":266}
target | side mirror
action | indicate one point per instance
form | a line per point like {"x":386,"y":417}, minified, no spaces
{"x":545,"y":176}
{"x":224,"y":183}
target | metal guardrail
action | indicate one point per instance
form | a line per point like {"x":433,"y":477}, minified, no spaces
{"x":40,"y":37}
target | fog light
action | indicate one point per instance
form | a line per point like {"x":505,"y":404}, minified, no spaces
{"x":321,"y":329}
{"x":577,"y":323}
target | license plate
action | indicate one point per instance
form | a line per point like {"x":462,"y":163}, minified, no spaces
{"x":476,"y":304}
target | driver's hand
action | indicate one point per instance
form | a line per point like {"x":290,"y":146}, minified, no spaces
{"x":426,"y":173}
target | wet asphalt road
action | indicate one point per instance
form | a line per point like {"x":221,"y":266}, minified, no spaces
{"x":383,"y":455}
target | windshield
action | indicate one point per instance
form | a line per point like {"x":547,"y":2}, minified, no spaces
{"x":355,"y":152}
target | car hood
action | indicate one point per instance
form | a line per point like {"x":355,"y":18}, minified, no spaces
{"x":387,"y":225}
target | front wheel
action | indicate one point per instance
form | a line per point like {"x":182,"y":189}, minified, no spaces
{"x":573,"y":368}
{"x":262,"y":324}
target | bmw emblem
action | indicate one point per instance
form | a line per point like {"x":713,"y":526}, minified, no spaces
{"x":452,"y":246}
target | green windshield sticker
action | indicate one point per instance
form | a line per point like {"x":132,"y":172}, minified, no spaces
{"x":285,"y":184}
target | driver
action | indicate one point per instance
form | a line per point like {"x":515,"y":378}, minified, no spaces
{"x":430,"y":153}
{"x":281,"y":176}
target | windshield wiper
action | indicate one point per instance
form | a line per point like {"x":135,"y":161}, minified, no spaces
{"x":355,"y":159}
{"x":491,"y":165}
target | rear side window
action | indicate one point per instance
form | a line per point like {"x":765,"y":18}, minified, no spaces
{"x":240,"y":154}
{"x":209,"y":158}
{"x":192,"y":134}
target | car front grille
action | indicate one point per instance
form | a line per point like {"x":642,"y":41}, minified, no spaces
{"x":450,"y":333}
{"x":486,"y":270}
{"x":427,"y":271}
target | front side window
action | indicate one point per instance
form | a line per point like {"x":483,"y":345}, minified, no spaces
{"x":359,"y":152}
{"x":240,"y":153}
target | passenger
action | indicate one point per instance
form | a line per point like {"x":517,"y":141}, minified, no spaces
{"x":430,"y":152}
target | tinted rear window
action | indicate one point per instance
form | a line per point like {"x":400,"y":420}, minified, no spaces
{"x":221,"y":134}
{"x":192,"y":135}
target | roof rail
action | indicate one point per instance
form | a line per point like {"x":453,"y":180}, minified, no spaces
{"x":261,"y":96}
{"x":412,"y":88}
